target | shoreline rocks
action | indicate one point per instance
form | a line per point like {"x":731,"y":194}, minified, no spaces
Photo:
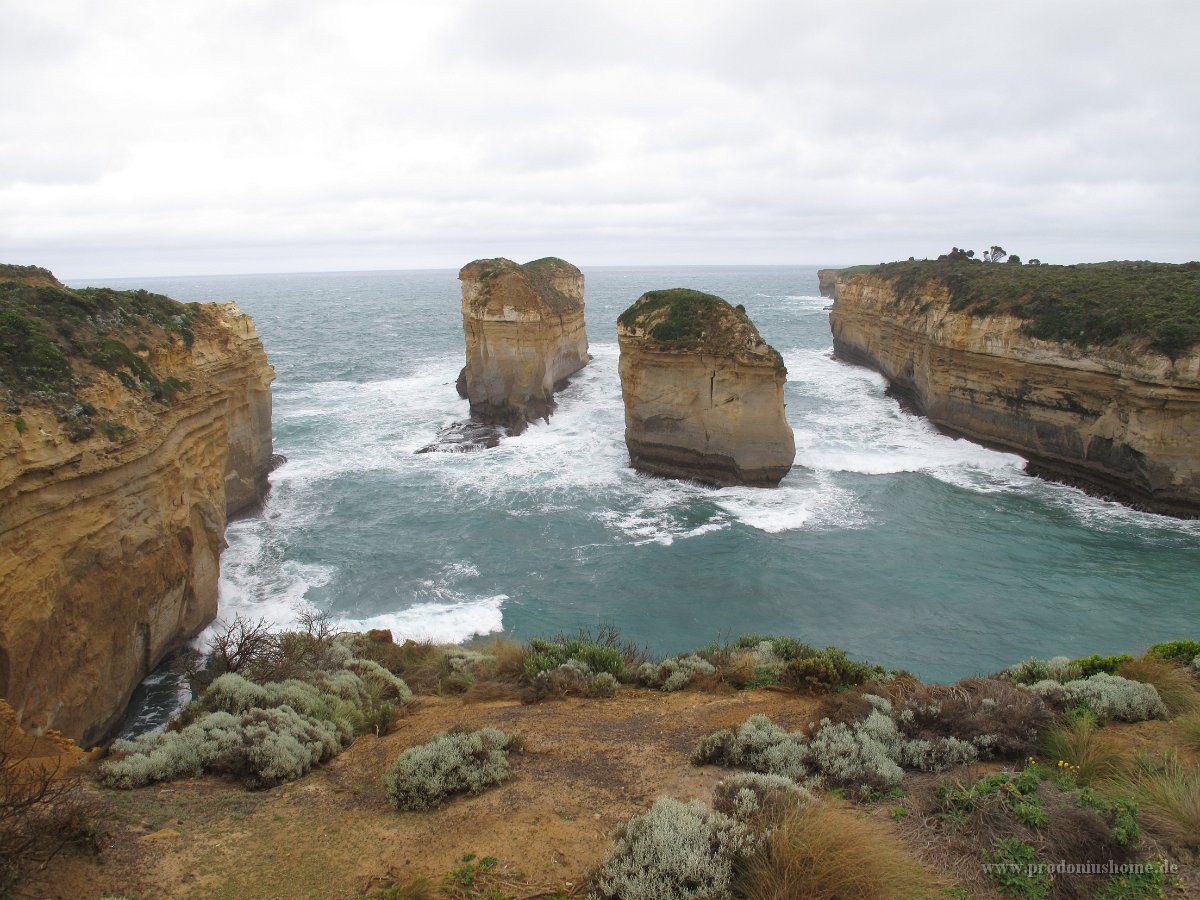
{"x":525,"y":337}
{"x":703,"y":392}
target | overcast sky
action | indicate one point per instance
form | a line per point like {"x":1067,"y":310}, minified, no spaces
{"x":219,"y":136}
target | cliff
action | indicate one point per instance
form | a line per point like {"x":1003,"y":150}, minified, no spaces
{"x":525,"y":335}
{"x":826,"y":281}
{"x":1121,"y":418}
{"x":703,"y":392}
{"x":133,"y":426}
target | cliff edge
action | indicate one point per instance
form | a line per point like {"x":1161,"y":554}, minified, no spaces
{"x":1089,"y":371}
{"x":132,"y":426}
{"x":525,"y":335}
{"x":827,"y":281}
{"x":703,"y":392}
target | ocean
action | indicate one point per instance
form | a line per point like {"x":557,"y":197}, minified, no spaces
{"x":902,"y":545}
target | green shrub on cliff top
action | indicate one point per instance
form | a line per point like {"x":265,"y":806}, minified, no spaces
{"x":262,"y":747}
{"x":456,"y":762}
{"x":1182,"y":652}
{"x":550,"y":654}
{"x":1108,"y":696}
{"x":265,"y":733}
{"x":674,"y":850}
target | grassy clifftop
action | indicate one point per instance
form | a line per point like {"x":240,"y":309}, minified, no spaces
{"x":1085,"y":304}
{"x":54,"y":339}
{"x":579,"y":765}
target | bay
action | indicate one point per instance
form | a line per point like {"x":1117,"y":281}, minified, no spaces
{"x":897,"y":543}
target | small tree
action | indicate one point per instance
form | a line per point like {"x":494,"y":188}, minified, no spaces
{"x":994,"y":254}
{"x":1014,"y":259}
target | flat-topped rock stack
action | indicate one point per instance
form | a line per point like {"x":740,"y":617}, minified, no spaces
{"x":703,"y":392}
{"x":525,"y":335}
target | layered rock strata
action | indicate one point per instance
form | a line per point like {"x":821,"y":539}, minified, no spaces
{"x":827,"y":281}
{"x":525,"y":336}
{"x":113,"y":511}
{"x":703,"y":392}
{"x":1121,"y":421}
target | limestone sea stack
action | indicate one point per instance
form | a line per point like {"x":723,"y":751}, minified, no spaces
{"x":525,"y":336}
{"x":703,"y":392}
{"x":131,"y":426}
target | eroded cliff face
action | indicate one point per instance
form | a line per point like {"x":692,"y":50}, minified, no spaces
{"x":525,"y":335}
{"x":1121,"y":421}
{"x":827,"y":281}
{"x":703,"y":392}
{"x":111,"y":539}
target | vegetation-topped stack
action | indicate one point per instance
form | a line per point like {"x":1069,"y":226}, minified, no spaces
{"x":703,"y":392}
{"x":1090,"y":371}
{"x":687,"y":320}
{"x":525,"y":335}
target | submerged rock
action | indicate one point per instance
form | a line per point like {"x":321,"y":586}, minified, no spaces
{"x":703,"y":392}
{"x":464,"y":437}
{"x":525,"y":336}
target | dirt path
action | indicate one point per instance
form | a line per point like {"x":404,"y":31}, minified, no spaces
{"x":588,"y":765}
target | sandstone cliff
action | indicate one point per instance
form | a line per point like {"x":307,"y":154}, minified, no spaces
{"x":1119,"y":419}
{"x":703,"y":392}
{"x":117,"y":474}
{"x":525,"y":335}
{"x":826,"y":281}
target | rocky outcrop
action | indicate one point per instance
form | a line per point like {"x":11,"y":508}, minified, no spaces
{"x":703,"y":392}
{"x":525,"y":335}
{"x":826,"y":281}
{"x":1119,"y":420}
{"x":113,"y":510}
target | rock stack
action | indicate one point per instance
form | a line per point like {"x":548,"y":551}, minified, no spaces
{"x":703,"y":392}
{"x":525,"y":336}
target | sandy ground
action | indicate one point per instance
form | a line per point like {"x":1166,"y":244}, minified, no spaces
{"x":588,"y":765}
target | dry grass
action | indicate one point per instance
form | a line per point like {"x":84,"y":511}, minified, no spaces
{"x":1174,"y":684}
{"x":509,"y":658}
{"x":1167,"y":792}
{"x":737,"y":668}
{"x":1083,"y":745}
{"x":494,"y":689}
{"x":1188,"y":728}
{"x":825,"y":852}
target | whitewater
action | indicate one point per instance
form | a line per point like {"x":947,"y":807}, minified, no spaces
{"x":902,"y":545}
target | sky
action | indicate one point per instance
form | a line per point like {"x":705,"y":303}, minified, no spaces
{"x":236,"y":136}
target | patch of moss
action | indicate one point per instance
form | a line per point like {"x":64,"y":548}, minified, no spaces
{"x":1087,"y":305}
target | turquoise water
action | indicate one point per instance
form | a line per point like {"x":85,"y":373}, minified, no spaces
{"x":902,"y":545}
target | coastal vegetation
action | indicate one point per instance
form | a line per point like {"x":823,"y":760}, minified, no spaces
{"x":55,"y":339}
{"x":677,"y":316}
{"x":860,"y":782}
{"x":456,"y":762}
{"x":1084,"y":304}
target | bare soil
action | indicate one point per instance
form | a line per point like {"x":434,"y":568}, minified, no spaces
{"x":587,"y":766}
